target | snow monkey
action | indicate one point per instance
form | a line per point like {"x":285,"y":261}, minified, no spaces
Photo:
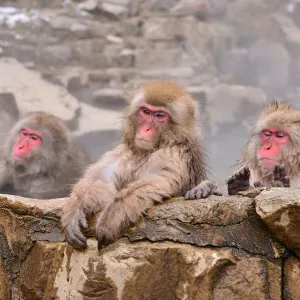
{"x":159,"y":157}
{"x":272,"y":155}
{"x":39,"y":159}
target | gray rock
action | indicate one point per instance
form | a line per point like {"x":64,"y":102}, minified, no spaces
{"x":216,"y":221}
{"x":279,"y":209}
{"x":56,"y":55}
{"x":109,"y":98}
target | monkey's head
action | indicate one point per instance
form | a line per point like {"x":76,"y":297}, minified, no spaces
{"x":160,"y":113}
{"x":275,"y":138}
{"x":37,"y":141}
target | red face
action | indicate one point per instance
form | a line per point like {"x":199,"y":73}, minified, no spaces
{"x":27,"y":140}
{"x":272,"y":142}
{"x":151,"y":121}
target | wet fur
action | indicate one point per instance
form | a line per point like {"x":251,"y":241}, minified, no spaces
{"x":140,"y":178}
{"x":50,"y":170}
{"x":281,"y":116}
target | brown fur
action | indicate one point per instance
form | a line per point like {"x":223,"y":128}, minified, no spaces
{"x":128,"y":180}
{"x":281,"y":116}
{"x":51,"y":169}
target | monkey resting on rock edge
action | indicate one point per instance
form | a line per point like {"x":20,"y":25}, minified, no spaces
{"x":160,"y":157}
{"x":272,"y":155}
{"x":39,"y":159}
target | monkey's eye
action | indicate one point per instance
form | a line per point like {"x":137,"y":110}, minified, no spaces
{"x":34,"y":137}
{"x":145,"y":111}
{"x":24,"y":133}
{"x":160,"y":115}
{"x":267,"y":133}
{"x":280,"y":135}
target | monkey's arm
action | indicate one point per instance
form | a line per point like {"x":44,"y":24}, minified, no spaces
{"x":91,"y":194}
{"x":132,"y":201}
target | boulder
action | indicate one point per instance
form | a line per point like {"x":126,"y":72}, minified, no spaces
{"x":33,"y":93}
{"x":279,"y":209}
{"x":35,"y":263}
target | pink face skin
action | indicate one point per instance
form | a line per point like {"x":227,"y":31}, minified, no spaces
{"x":27,"y":140}
{"x":151,"y":121}
{"x":272,"y":142}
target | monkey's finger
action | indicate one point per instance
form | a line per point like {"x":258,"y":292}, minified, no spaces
{"x":74,"y":242}
{"x":84,"y":223}
{"x":191,"y":195}
{"x":257,"y":184}
{"x":216,"y":192}
{"x":247,"y":172}
{"x":188,"y":196}
{"x":199,"y":194}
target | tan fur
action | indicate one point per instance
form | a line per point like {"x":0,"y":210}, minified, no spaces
{"x":128,"y":180}
{"x":51,"y":169}
{"x":279,"y":116}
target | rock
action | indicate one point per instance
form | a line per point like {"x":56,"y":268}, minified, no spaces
{"x":245,"y":280}
{"x":46,"y":259}
{"x":109,"y":98}
{"x":279,"y":209}
{"x":36,"y":264}
{"x":56,"y":55}
{"x":217,"y":222}
{"x":126,"y":58}
{"x":89,"y":5}
{"x":114,"y":8}
{"x":291,"y":279}
{"x":202,"y":9}
{"x":80,"y":30}
{"x":252,"y":20}
{"x":33,"y":93}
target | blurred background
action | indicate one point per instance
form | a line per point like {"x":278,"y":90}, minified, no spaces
{"x":82,"y":60}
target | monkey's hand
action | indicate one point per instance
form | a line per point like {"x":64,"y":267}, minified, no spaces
{"x":203,"y":190}
{"x":239,"y":181}
{"x":110,"y":224}
{"x":280,"y":178}
{"x":73,"y":229}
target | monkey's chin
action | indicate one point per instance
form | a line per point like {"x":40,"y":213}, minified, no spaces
{"x":268,"y":163}
{"x":17,"y":159}
{"x":144,"y":144}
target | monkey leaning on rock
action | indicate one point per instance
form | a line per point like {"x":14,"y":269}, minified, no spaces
{"x":272,"y":154}
{"x":159,"y":157}
{"x":39,"y":158}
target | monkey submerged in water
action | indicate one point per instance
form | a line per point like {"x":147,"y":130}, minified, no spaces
{"x":272,"y":155}
{"x":160,"y":157}
{"x":39,"y":159}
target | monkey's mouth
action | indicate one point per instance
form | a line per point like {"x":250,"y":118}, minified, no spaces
{"x":17,"y":158}
{"x":268,"y":162}
{"x":144,"y":144}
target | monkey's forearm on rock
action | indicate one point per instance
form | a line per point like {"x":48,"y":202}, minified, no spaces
{"x":142,"y":194}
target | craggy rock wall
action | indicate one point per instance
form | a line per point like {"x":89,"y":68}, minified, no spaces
{"x":82,"y":60}
{"x":240,"y":247}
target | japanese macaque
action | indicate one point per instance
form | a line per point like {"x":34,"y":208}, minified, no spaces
{"x":159,"y":157}
{"x":272,"y":155}
{"x":39,"y":159}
